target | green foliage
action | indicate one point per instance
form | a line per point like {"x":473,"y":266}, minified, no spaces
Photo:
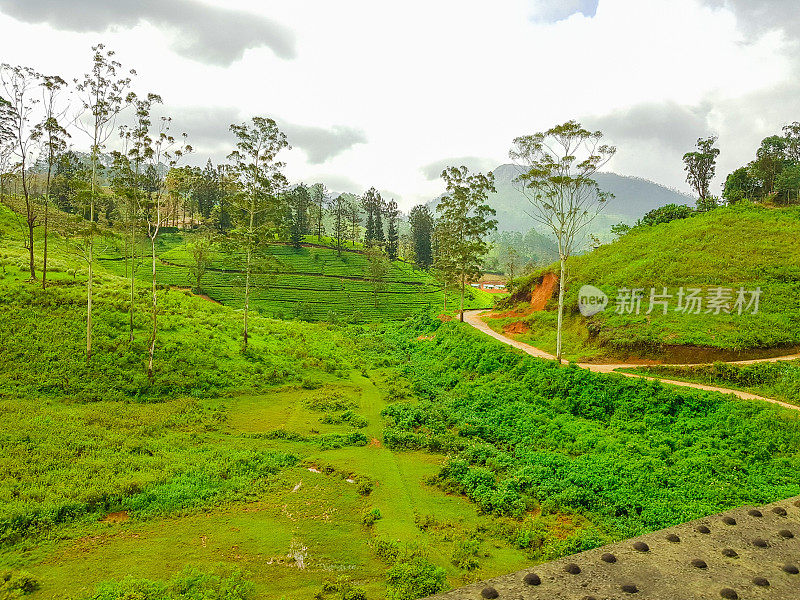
{"x":16,"y":584}
{"x":418,"y":577}
{"x":780,"y":380}
{"x":666,"y":214}
{"x":631,"y":455}
{"x":370,"y":516}
{"x":190,"y":584}
{"x":465,"y":555}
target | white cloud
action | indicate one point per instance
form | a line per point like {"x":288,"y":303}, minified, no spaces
{"x":399,"y":86}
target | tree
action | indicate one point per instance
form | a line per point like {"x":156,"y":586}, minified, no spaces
{"x":511,"y":261}
{"x":200,"y":248}
{"x":769,"y":162}
{"x":556,"y":170}
{"x":787,"y":185}
{"x":700,"y":166}
{"x":354,"y":220}
{"x":377,"y":267}
{"x":102,"y":94}
{"x":465,"y":222}
{"x":339,"y":210}
{"x":421,"y":221}
{"x":298,"y":201}
{"x":391,"y":229}
{"x":380,"y":209}
{"x":791,"y":134}
{"x":318,"y":195}
{"x":18,"y":84}
{"x":160,"y":151}
{"x":739,"y":185}
{"x":370,"y":202}
{"x":53,"y":136}
{"x":257,"y":210}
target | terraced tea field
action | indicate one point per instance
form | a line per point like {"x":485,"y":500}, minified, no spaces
{"x":311,"y":282}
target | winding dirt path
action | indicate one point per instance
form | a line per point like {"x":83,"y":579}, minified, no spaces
{"x":473,"y":317}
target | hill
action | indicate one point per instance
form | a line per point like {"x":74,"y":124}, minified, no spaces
{"x":741,"y":247}
{"x":633,"y":197}
{"x":326,"y":460}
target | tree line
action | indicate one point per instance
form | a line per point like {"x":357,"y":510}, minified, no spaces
{"x":131,"y":184}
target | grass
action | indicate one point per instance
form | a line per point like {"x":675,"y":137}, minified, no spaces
{"x":326,"y":456}
{"x":741,"y":246}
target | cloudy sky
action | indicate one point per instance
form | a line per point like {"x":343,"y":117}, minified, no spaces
{"x":386,"y":94}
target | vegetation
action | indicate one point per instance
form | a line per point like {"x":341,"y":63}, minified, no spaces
{"x":558,"y":166}
{"x":779,"y":380}
{"x":744,"y":246}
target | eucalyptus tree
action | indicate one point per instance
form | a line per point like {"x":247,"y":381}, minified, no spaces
{"x":700,"y":166}
{"x":257,"y":207}
{"x":6,"y":140}
{"x":102,"y":98}
{"x":53,"y":137}
{"x":465,"y":221}
{"x":319,"y":194}
{"x":19,"y":84}
{"x":339,"y":209}
{"x":154,"y":146}
{"x":556,"y":169}
{"x":354,"y":220}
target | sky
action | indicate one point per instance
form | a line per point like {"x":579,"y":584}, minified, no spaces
{"x":387,"y":94}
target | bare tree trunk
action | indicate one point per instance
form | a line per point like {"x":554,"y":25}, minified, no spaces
{"x":44,"y":258}
{"x":247,"y":293}
{"x":560,"y":306}
{"x":30,"y":247}
{"x":90,"y":259}
{"x":153,"y":314}
{"x":463,"y":285}
{"x":132,"y":275}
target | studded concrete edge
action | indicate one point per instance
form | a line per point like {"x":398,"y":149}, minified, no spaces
{"x":744,"y":553}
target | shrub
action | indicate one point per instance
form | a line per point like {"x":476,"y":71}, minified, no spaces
{"x":418,"y":577}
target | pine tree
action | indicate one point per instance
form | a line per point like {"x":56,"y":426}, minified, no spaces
{"x":392,"y":235}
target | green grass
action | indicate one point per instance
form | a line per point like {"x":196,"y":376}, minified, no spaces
{"x":741,"y":246}
{"x":779,"y":380}
{"x":231,"y":465}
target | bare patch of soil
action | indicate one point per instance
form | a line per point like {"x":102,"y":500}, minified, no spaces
{"x":516,"y":327}
{"x":116,"y":517}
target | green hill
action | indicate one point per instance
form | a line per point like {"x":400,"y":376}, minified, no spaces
{"x":742,"y":247}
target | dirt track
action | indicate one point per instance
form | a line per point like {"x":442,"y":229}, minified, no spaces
{"x":473,"y":318}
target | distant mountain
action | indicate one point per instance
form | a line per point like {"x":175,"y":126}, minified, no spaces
{"x":633,"y":197}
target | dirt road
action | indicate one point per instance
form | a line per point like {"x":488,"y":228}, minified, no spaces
{"x":473,"y":318}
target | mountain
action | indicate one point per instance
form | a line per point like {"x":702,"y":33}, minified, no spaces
{"x":633,"y":197}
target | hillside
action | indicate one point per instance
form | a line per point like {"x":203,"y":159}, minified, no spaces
{"x":391,"y":459}
{"x":744,"y":246}
{"x":633,"y":197}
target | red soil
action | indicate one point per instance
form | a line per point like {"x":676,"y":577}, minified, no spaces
{"x":516,"y":327}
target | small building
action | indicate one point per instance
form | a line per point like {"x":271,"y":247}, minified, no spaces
{"x":495,"y":284}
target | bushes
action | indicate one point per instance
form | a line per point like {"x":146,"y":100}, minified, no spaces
{"x":16,"y":584}
{"x":414,"y":578}
{"x":631,"y":455}
{"x":189,"y":584}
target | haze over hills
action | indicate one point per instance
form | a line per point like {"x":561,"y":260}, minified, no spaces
{"x":633,"y":197}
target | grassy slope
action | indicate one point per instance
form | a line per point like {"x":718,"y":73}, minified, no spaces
{"x":743,"y":245}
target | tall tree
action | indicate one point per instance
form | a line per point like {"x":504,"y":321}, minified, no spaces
{"x":257,"y":210}
{"x":377,"y":267}
{"x":791,"y":134}
{"x":159,"y":151}
{"x":700,"y":166}
{"x":339,"y":210}
{"x":370,"y":202}
{"x":380,"y":209}
{"x":354,"y":220}
{"x":465,"y":222}
{"x":556,"y":176}
{"x":318,"y":195}
{"x":19,"y":84}
{"x":298,"y":201}
{"x":421,"y":220}
{"x":102,"y":94}
{"x":392,"y":235}
{"x":52,"y":135}
{"x":769,"y":162}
